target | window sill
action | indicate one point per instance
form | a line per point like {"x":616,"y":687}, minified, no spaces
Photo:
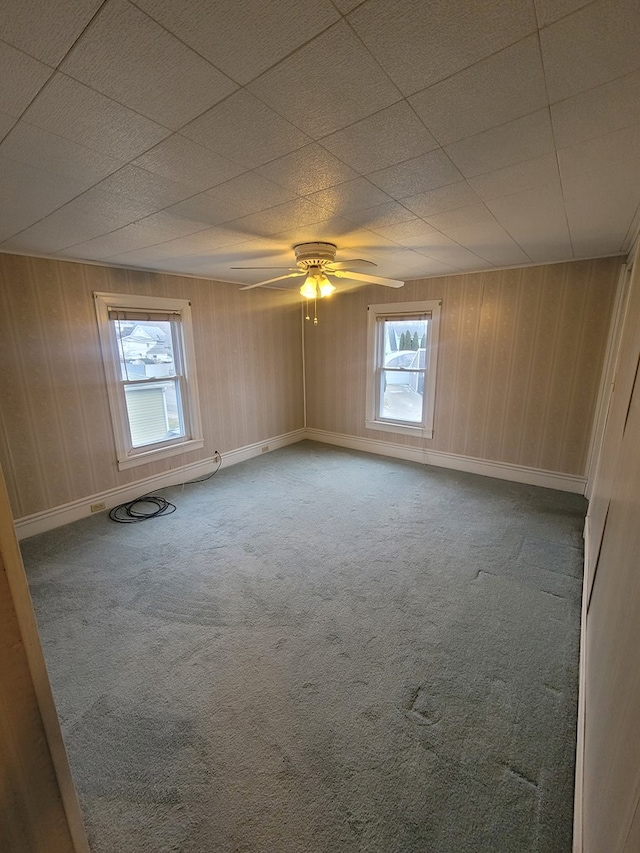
{"x":146,"y":456}
{"x":403,"y":429}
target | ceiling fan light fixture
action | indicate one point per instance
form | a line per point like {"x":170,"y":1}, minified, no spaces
{"x":308,"y":289}
{"x":326,"y":288}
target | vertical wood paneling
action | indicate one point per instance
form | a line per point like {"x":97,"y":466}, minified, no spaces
{"x":57,"y":443}
{"x":39,"y":810}
{"x":519,"y":363}
{"x":612,"y":690}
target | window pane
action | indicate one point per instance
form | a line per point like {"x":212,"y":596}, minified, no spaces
{"x":402,"y":337}
{"x":402,"y":401}
{"x":145,"y":347}
{"x":402,"y":387}
{"x":154,"y":412}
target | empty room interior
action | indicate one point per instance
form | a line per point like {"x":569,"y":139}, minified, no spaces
{"x":320,"y":426}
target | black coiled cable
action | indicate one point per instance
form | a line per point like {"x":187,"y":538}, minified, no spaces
{"x":132,"y":512}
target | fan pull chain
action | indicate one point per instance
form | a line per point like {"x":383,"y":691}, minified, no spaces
{"x":315,"y":311}
{"x":307,"y":317}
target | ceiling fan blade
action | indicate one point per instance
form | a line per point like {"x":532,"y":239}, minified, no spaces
{"x":263,"y":268}
{"x":271,"y":280}
{"x":369,"y":279}
{"x":341,"y":265}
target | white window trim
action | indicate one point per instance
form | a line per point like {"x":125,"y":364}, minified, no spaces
{"x":424,"y":429}
{"x":128,"y":456}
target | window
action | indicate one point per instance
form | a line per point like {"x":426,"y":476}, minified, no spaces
{"x":402,"y":349}
{"x":147,"y":348}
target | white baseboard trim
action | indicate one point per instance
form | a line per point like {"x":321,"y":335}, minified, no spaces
{"x":48,"y":519}
{"x":500,"y":470}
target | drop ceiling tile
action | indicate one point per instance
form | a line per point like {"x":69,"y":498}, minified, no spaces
{"x":155,"y":191}
{"x":292,"y":214}
{"x":327,"y":84}
{"x":73,"y":223}
{"x":346,"y":6}
{"x":601,"y":212}
{"x":597,"y":112}
{"x":130,"y":58}
{"x":618,"y":179}
{"x":203,"y":208}
{"x":249,"y":193}
{"x":431,"y":269}
{"x":439,"y":200}
{"x":516,"y":178}
{"x":490,"y":241}
{"x":76,"y":112}
{"x":198,"y":265}
{"x":459,"y":217}
{"x":207,"y":240}
{"x":350,"y":196}
{"x":619,"y":147}
{"x":380,"y":140}
{"x":419,"y":44}
{"x":243,"y":39}
{"x":505,"y":86}
{"x":185,"y":161}
{"x":379,"y":216}
{"x":447,"y":251}
{"x":419,"y":174}
{"x":45,"y":30}
{"x":112,"y":207}
{"x":412,"y":234}
{"x":29,"y":193}
{"x":6,"y":123}
{"x":514,"y":142}
{"x":552,"y":10}
{"x":98,"y":248}
{"x":37,"y":147}
{"x":22,"y":78}
{"x":307,"y":170}
{"x":157,"y":228}
{"x":246,"y":131}
{"x":537,"y":221}
{"x":593,"y":46}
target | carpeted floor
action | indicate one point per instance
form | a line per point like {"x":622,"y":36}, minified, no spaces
{"x":321,"y":651}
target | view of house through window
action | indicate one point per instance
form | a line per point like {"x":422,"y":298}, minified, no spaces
{"x":402,"y":349}
{"x":154,"y":407}
{"x":149,"y":361}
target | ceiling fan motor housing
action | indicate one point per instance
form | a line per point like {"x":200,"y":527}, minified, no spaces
{"x":315,"y":255}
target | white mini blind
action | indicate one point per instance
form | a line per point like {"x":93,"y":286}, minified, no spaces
{"x":138,"y":316}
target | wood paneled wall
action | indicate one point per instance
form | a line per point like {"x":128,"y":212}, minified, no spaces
{"x":56,"y":440}
{"x":519,"y":362}
{"x":39,"y":810}
{"x":611,"y":762}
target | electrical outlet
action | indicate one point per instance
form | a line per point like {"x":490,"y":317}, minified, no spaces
{"x":265,"y":448}
{"x":98,"y":507}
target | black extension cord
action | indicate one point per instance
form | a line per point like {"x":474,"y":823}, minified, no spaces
{"x":133,"y":511}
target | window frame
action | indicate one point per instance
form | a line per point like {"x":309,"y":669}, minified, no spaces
{"x":375,"y":363}
{"x":127,"y":455}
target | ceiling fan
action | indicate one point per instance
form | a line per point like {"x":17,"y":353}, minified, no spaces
{"x":316,"y":261}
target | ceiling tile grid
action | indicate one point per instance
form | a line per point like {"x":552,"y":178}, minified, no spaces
{"x":123,"y":54}
{"x":196,"y":136}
